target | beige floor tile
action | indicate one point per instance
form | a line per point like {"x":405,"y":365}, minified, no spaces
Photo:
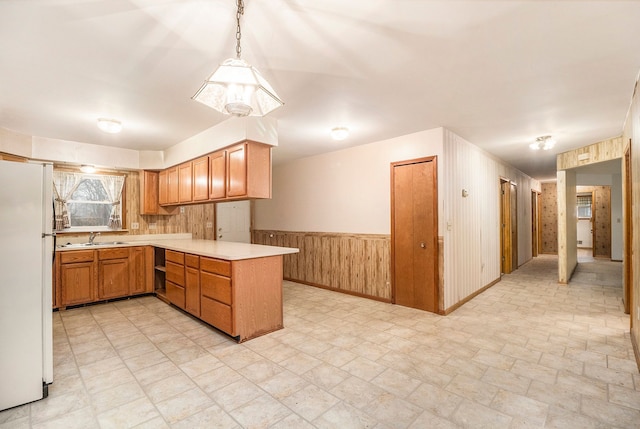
{"x":184,"y":405}
{"x":393,"y":411}
{"x":325,"y":376}
{"x":283,"y":384}
{"x":357,"y":392}
{"x":169,"y":387}
{"x":154,"y":373}
{"x":434,"y":399}
{"x":128,"y":415}
{"x":310,"y":402}
{"x":432,"y":421}
{"x":507,"y":380}
{"x":472,"y":389}
{"x":236,"y":394}
{"x":217,"y":378}
{"x":343,"y":415}
{"x":55,"y":407}
{"x":261,"y":412}
{"x":610,"y":414}
{"x":212,"y":417}
{"x":83,"y":418}
{"x":113,"y":397}
{"x":473,"y":415}
{"x":529,"y":411}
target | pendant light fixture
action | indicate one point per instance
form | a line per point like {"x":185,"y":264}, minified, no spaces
{"x":236,"y":88}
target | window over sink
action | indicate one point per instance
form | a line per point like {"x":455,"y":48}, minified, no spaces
{"x":88,"y":202}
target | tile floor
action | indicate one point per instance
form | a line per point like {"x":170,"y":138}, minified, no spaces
{"x":527,"y":353}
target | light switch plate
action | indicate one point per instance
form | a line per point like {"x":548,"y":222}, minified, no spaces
{"x":135,"y":225}
{"x":209,"y":224}
{"x":152,"y":226}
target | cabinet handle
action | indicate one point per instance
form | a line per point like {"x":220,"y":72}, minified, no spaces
{"x":423,"y":245}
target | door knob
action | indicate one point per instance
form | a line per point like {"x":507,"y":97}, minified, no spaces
{"x":423,"y":245}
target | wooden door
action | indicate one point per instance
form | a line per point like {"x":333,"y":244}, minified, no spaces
{"x":628,"y":235}
{"x":237,"y":171}
{"x":201,"y":179}
{"x":534,"y":223}
{"x":414,"y":234}
{"x":508,"y":226}
{"x":113,"y":278}
{"x":513,"y":206}
{"x":218,"y":175}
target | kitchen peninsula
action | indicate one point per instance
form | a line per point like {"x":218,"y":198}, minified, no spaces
{"x":235,"y":287}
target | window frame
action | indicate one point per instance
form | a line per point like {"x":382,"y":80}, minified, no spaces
{"x":123,"y":203}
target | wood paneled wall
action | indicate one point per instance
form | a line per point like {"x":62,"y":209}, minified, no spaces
{"x":358,"y":264}
{"x":549,"y":219}
{"x":597,"y":152}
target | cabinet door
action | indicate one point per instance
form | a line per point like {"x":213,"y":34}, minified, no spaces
{"x":163,"y":187}
{"x":192,"y":291}
{"x":185,"y":186}
{"x":113,"y":278}
{"x":218,"y":175}
{"x":237,"y":171}
{"x":137,"y":270}
{"x":172,"y":185}
{"x":148,"y":192}
{"x":201,"y":179}
{"x":77,"y":283}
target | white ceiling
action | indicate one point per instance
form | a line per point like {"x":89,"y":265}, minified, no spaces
{"x":497,"y":73}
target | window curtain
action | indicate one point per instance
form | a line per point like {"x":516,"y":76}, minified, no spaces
{"x":113,"y":185}
{"x":64,"y":184}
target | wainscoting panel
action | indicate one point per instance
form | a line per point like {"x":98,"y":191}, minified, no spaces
{"x":358,"y":264}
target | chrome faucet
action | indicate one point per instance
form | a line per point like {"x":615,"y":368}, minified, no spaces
{"x":92,"y":236}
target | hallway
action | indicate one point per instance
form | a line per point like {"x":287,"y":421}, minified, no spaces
{"x":527,"y":353}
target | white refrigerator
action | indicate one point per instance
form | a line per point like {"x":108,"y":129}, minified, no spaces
{"x":26,"y":256}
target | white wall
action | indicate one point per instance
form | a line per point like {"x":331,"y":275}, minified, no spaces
{"x":346,"y":191}
{"x":472,"y":224}
{"x":349,"y":191}
{"x":617,"y":237}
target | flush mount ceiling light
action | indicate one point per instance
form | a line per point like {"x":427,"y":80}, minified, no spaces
{"x":340,"y":133}
{"x":110,"y":126}
{"x":88,"y":169}
{"x":544,"y":143}
{"x":236,"y":88}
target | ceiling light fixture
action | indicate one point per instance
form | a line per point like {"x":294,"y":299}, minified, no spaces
{"x":236,"y":88}
{"x":110,"y":126}
{"x":88,"y":169}
{"x":544,"y":143}
{"x":340,"y":133}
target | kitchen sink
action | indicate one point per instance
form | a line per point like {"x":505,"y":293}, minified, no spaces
{"x":101,"y":243}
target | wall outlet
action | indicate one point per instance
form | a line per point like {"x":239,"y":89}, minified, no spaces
{"x":135,"y":225}
{"x":209,"y":224}
{"x":152,"y":226}
{"x":181,"y":210}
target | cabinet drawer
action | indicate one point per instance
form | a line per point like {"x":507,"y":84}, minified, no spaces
{"x":217,"y":314}
{"x":175,"y":273}
{"x":216,"y":287}
{"x":177,"y":257}
{"x":216,"y":266}
{"x":175,"y":294}
{"x":116,"y":253}
{"x":76,"y":256}
{"x":192,"y":261}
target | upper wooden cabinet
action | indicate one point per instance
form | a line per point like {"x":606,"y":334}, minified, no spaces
{"x":249,"y":171}
{"x":173,"y":195}
{"x":241,"y":171}
{"x":200,"y":168}
{"x":185,"y":182}
{"x":218,"y":175}
{"x":153,"y":194}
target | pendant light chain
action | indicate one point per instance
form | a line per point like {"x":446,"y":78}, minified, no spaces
{"x":239,"y":13}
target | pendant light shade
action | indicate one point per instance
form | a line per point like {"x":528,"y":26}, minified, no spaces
{"x":236,"y":88}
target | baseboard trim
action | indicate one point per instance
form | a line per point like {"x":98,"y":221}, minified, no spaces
{"x":469,"y":298}
{"x":333,"y":289}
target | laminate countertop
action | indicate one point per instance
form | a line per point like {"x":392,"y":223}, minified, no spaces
{"x":226,"y":250}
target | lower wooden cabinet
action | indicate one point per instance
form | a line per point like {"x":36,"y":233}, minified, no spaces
{"x":85,"y":276}
{"x":192,"y":284}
